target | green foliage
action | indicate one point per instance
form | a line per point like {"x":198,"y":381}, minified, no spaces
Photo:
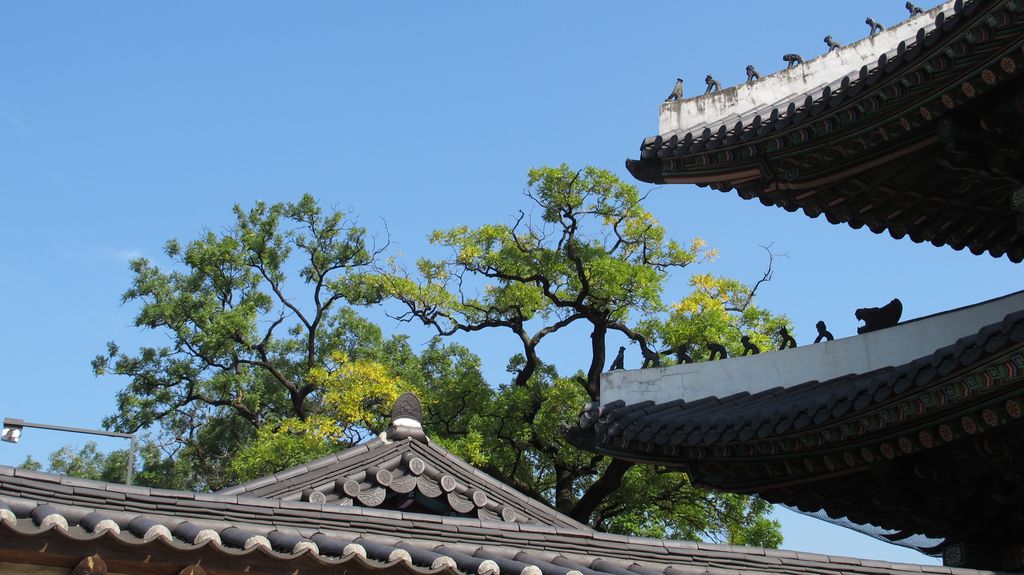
{"x":242,"y":352}
{"x":588,"y":252}
{"x":31,"y":464}
{"x":660,"y":503}
{"x":718,"y":310}
{"x":255,"y":380}
{"x":516,"y":433}
{"x":355,"y":398}
{"x":152,"y":467}
{"x":594,"y":247}
{"x":593,"y":255}
{"x":291,"y":443}
{"x":87,"y":463}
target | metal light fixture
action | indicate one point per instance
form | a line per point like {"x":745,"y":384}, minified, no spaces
{"x":13,"y":428}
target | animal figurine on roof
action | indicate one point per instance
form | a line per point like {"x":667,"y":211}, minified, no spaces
{"x":914,"y":10}
{"x":682,"y":355}
{"x":823,"y":332}
{"x":875,"y":26}
{"x":876,"y":318}
{"x":792,"y":60}
{"x":832,"y":44}
{"x":651,"y":359}
{"x":717,"y":349}
{"x":752,"y":74}
{"x":677,"y":91}
{"x":620,"y":360}
{"x":748,"y":346}
{"x":787,"y":340}
{"x":713,"y":85}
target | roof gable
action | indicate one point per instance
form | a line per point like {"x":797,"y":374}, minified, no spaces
{"x":402,"y":470}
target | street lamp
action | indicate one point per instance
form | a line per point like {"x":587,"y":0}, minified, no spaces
{"x":13,"y":427}
{"x":12,"y":432}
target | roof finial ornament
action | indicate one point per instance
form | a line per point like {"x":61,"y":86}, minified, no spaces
{"x":876,"y":318}
{"x":406,"y":419}
{"x":620,"y":360}
{"x":651,"y":358}
{"x":713,"y":85}
{"x":832,"y":44}
{"x":716,"y":349}
{"x":677,"y":91}
{"x":752,"y":74}
{"x":792,"y":60}
{"x":681,"y":352}
{"x":875,"y":26}
{"x":786,"y":340}
{"x":748,"y":346}
{"x":914,"y":10}
{"x":823,"y":332}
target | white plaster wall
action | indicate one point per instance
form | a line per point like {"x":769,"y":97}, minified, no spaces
{"x":683,"y":116}
{"x":856,"y":354}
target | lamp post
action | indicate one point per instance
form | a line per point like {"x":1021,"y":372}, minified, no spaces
{"x":12,"y":433}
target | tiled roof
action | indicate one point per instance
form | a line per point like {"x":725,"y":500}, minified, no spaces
{"x":930,"y":448}
{"x":276,"y":525}
{"x":801,"y":106}
{"x":741,"y":417}
{"x":923,"y":143}
{"x":403,"y":470}
{"x":41,"y":507}
{"x":395,"y":474}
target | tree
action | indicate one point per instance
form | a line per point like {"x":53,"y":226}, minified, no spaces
{"x":152,"y":469}
{"x":552,"y":268}
{"x":588,"y":252}
{"x":718,"y":310}
{"x":354,"y":396}
{"x":31,"y":464}
{"x":243,"y":354}
{"x":263,"y":371}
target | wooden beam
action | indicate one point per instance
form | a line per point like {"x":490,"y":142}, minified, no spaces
{"x":91,"y":565}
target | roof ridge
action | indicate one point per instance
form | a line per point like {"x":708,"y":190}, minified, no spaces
{"x":728,"y":101}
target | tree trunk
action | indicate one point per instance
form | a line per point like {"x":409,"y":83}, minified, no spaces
{"x":563,"y":488}
{"x":600,"y":490}
{"x":532,"y":361}
{"x":597,"y":338}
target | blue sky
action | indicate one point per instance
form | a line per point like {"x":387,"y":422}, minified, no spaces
{"x":125,"y":124}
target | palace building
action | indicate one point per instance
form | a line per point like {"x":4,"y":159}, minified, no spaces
{"x":397,"y":505}
{"x":915,"y":431}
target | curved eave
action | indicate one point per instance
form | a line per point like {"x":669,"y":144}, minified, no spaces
{"x":122,"y":553}
{"x":861,"y":149}
{"x":901,"y":344}
{"x":850,"y":88}
{"x":819,"y":418}
{"x":931,"y":447}
{"x":452,"y":547}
